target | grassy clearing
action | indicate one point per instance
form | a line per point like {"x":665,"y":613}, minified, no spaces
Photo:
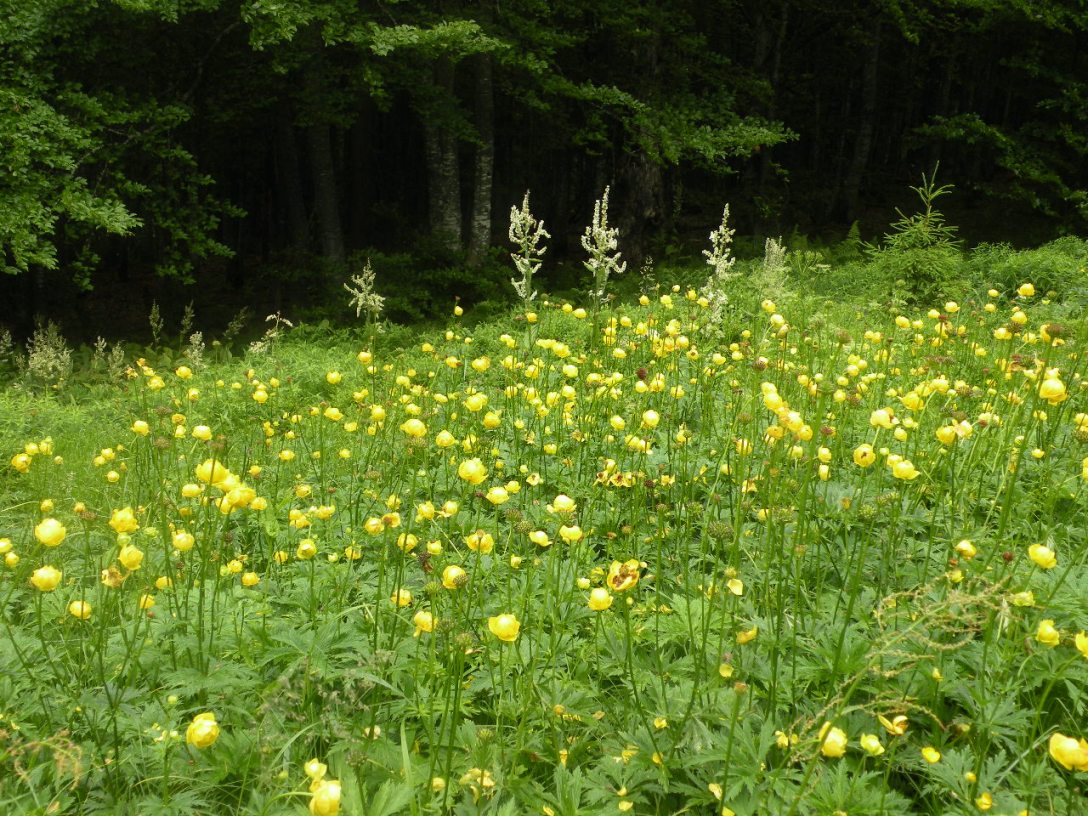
{"x":807,"y":559}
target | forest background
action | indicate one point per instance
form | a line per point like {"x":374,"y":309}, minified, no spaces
{"x":254,"y":154}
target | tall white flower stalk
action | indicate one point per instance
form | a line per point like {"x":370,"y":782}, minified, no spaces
{"x":719,"y":258}
{"x":600,"y":242}
{"x":527,"y":234}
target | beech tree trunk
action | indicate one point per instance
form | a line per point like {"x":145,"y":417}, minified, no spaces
{"x":289,"y":181}
{"x":863,"y":143}
{"x":443,"y":171}
{"x":326,"y":201}
{"x":480,"y":228}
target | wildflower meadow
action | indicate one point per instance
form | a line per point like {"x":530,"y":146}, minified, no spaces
{"x":702,"y":549}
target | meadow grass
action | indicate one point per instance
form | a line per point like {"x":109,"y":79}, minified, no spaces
{"x":803,"y":559}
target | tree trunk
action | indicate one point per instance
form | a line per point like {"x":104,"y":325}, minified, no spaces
{"x":443,"y":171}
{"x":326,"y":201}
{"x":480,"y":229}
{"x":289,"y":182}
{"x":863,"y":143}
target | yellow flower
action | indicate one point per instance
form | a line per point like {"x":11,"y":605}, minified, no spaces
{"x":747,"y":636}
{"x":454,"y":577}
{"x":315,"y":769}
{"x":570,"y":533}
{"x":622,"y":576}
{"x":881,"y":418}
{"x":79,"y":609}
{"x":505,"y":627}
{"x":131,"y":557}
{"x":472,"y":471}
{"x":183,"y":541}
{"x":897,"y":726}
{"x":1026,"y":290}
{"x":599,"y":599}
{"x":1069,"y":752}
{"x":402,"y":597}
{"x":21,"y":462}
{"x":212,"y":472}
{"x":414,"y":427}
{"x":326,"y":798}
{"x":931,"y":755}
{"x":832,"y":741}
{"x":1081,"y":641}
{"x":124,"y":520}
{"x":966,"y":549}
{"x":50,"y":532}
{"x":480,"y":541}
{"x":1043,"y":556}
{"x":905,"y":470}
{"x":864,"y":455}
{"x":870,"y":743}
{"x":1052,"y":390}
{"x":497,"y":495}
{"x":424,"y":622}
{"x":203,"y":731}
{"x":1047,"y":633}
{"x":250,"y":579}
{"x":563,"y":504}
{"x":307,"y":549}
{"x":984,"y":801}
{"x":45,"y":579}
{"x":146,"y":601}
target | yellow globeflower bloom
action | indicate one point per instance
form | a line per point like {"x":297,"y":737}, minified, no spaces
{"x":50,"y":532}
{"x":563,"y":504}
{"x":1043,"y":556}
{"x":570,"y":533}
{"x":1081,"y":640}
{"x":497,"y":495}
{"x":599,"y":599}
{"x":1047,"y":633}
{"x":424,"y":622}
{"x":505,"y":627}
{"x":623,"y":576}
{"x":203,"y":731}
{"x":870,"y":743}
{"x":747,"y":636}
{"x":326,"y":798}
{"x":1052,"y":390}
{"x":307,"y":549}
{"x":864,"y":455}
{"x":131,"y":557}
{"x":1026,"y":290}
{"x":46,"y":579}
{"x":414,"y":428}
{"x":472,"y":471}
{"x":124,"y":520}
{"x":79,"y":609}
{"x":250,"y":579}
{"x":832,"y":741}
{"x":454,"y":577}
{"x":1069,"y":752}
{"x":480,"y":541}
{"x":183,"y":541}
{"x":905,"y":470}
{"x":402,"y":597}
{"x":897,"y":726}
{"x":931,"y":755}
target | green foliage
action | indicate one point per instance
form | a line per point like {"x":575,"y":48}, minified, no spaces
{"x":922,"y":249}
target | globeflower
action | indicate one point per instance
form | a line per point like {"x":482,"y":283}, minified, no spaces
{"x":1053,"y":390}
{"x":623,"y":576}
{"x":870,"y":743}
{"x":472,"y":471}
{"x":1069,"y":752}
{"x":905,"y":470}
{"x":326,"y":798}
{"x":1047,"y":633}
{"x":599,"y":599}
{"x":46,"y":579}
{"x":1043,"y":556}
{"x":203,"y":731}
{"x":50,"y":532}
{"x":505,"y":627}
{"x":864,"y":455}
{"x":480,"y":541}
{"x":124,"y":520}
{"x":79,"y":609}
{"x":832,"y":741}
